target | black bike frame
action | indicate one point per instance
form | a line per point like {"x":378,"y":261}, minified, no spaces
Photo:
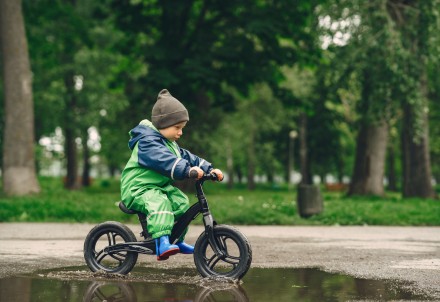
{"x":148,"y":246}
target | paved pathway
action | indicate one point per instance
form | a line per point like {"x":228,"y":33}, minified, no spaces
{"x":400,"y":253}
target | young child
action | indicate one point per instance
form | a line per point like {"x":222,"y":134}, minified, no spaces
{"x":156,"y":160}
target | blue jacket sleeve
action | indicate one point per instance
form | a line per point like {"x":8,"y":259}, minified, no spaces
{"x":194,"y":160}
{"x":154,"y":155}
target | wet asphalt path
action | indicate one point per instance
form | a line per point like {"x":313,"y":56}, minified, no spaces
{"x":410,"y":254}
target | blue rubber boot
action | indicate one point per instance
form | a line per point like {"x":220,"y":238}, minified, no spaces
{"x":185,"y":248}
{"x":164,"y":249}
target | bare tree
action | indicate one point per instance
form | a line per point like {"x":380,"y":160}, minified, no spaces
{"x":19,"y":174}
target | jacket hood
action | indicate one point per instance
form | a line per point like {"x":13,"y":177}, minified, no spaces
{"x":145,"y":128}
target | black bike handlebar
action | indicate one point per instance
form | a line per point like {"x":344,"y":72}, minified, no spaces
{"x":194,"y":174}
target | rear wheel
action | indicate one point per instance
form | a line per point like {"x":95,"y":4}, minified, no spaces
{"x":107,"y":234}
{"x":236,"y":249}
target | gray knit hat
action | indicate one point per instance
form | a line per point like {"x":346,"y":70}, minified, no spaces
{"x":168,"y":111}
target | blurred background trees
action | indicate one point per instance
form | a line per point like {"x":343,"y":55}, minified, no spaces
{"x":18,"y":164}
{"x":338,"y":91}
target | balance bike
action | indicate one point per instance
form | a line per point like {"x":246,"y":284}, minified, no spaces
{"x":220,"y":251}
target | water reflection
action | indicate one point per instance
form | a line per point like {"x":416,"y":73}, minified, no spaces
{"x":232,"y":294}
{"x":148,"y":284}
{"x":315,"y":285}
{"x":110,"y":292}
{"x":126,"y":292}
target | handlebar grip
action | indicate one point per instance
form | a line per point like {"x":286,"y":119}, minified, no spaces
{"x":213,"y":176}
{"x":193,"y":174}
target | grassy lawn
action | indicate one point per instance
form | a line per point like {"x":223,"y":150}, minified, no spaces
{"x":275,"y":206}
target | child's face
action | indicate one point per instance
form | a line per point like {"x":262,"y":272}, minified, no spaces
{"x":174,"y":132}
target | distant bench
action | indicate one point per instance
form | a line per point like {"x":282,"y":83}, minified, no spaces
{"x":336,"y":187}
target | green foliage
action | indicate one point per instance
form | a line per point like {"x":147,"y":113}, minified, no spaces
{"x":52,"y":58}
{"x":76,"y":80}
{"x":266,"y":205}
{"x":195,"y":48}
{"x":388,"y":48}
{"x":383,"y":53}
{"x":244,"y":69}
{"x":247,"y":133}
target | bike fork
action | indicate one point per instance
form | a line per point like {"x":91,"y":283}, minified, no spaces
{"x":208,"y":221}
{"x":209,"y":231}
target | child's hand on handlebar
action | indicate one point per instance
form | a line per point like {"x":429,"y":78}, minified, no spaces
{"x":218,"y":173}
{"x":197,"y":170}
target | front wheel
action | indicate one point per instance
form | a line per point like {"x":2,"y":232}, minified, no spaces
{"x":107,"y":234}
{"x":234,"y":245}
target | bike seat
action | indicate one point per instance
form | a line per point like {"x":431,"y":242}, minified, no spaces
{"x":126,"y":210}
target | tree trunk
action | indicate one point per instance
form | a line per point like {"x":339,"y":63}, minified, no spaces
{"x":72,"y":181}
{"x":392,"y":178}
{"x":251,"y":165}
{"x":340,"y":169}
{"x":19,"y":174}
{"x":239,"y":174}
{"x":306,"y":175}
{"x":251,"y":151}
{"x":369,"y":165}
{"x":230,"y":165}
{"x":291,"y":157}
{"x":415,"y":157}
{"x":270,"y":177}
{"x":112,"y":170}
{"x":322,"y":177}
{"x":86,"y":161}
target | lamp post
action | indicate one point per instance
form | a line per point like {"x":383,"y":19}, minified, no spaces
{"x":293,"y":134}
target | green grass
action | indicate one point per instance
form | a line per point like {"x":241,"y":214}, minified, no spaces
{"x":279,"y":207}
{"x":55,"y":204}
{"x":275,"y":206}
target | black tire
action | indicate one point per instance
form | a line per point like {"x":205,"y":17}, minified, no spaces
{"x":107,"y":234}
{"x":234,"y":245}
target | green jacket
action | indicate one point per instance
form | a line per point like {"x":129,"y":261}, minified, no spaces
{"x":155,"y":162}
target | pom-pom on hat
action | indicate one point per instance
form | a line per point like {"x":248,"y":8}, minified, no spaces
{"x":168,"y":111}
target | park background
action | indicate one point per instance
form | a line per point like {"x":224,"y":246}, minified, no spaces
{"x":340,"y":94}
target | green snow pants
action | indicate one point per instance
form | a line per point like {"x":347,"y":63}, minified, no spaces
{"x":163,"y":206}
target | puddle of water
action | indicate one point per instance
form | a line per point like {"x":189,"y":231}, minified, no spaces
{"x":148,"y":284}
